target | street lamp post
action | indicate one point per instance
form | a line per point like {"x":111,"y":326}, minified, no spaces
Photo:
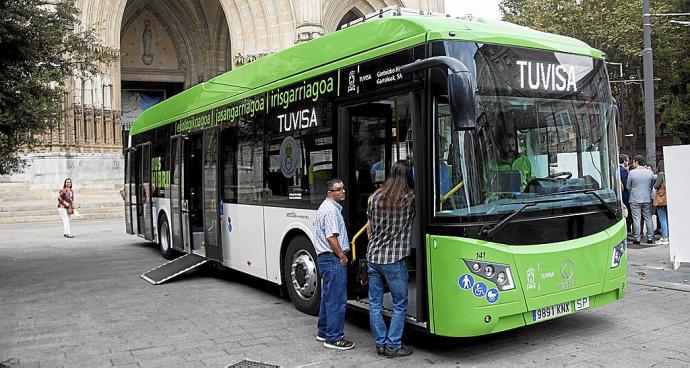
{"x":648,"y":69}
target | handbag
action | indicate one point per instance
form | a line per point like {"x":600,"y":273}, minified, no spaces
{"x":70,"y":210}
{"x":660,"y":196}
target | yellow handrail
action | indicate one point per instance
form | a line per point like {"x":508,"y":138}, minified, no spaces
{"x":451,"y":192}
{"x":354,"y":239}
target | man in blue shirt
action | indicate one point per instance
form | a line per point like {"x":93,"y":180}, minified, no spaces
{"x":331,"y":244}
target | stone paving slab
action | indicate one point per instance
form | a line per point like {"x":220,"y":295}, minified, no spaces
{"x":80,"y":303}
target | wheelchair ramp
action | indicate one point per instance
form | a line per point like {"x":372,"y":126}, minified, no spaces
{"x":174,"y":268}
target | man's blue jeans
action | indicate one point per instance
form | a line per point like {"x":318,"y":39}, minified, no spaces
{"x":333,"y":297}
{"x":395,"y":276}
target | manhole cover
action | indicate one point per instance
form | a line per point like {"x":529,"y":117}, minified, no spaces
{"x":251,"y":364}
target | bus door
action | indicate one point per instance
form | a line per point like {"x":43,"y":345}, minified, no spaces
{"x":143,"y":192}
{"x":380,"y":133}
{"x":191,"y":194}
{"x":130,"y":224}
{"x":212,"y":206}
{"x":175,"y":192}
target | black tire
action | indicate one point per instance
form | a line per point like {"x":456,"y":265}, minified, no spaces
{"x":164,"y":240}
{"x":301,"y":278}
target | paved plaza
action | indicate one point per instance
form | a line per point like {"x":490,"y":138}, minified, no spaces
{"x":80,"y":303}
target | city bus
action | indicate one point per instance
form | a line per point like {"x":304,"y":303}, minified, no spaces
{"x":511,"y":131}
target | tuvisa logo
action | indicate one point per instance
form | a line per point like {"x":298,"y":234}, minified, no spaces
{"x":301,"y":119}
{"x":547,"y":76}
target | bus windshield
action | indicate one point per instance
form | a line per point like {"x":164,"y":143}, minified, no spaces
{"x":545,"y":130}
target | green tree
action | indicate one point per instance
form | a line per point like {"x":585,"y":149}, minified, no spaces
{"x":42,"y":46}
{"x":615,"y":27}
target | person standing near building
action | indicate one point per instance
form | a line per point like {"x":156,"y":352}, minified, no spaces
{"x":390,"y":213}
{"x":623,"y":163}
{"x":640,"y":182}
{"x":331,"y":246}
{"x":660,"y":203}
{"x":66,"y":207}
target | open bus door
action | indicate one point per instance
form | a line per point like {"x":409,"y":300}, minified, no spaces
{"x":211,"y":199}
{"x":380,"y":134}
{"x":128,"y":185}
{"x":198,"y":189}
{"x":140,"y":191}
{"x":175,"y":192}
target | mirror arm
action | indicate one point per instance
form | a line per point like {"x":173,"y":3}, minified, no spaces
{"x":455,"y":65}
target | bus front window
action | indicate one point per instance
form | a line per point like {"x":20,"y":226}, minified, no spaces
{"x":544,"y":140}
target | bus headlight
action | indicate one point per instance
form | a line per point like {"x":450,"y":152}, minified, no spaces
{"x":499,"y":274}
{"x":617,"y":255}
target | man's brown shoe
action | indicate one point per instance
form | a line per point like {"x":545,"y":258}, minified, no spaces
{"x":396,"y":353}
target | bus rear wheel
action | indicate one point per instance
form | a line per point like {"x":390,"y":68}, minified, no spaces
{"x":164,"y":243}
{"x":300,"y":275}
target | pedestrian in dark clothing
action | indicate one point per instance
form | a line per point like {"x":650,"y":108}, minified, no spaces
{"x":331,"y":246}
{"x":640,"y":182}
{"x":390,"y":212}
{"x":623,"y":163}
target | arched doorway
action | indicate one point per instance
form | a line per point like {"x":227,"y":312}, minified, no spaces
{"x":168,"y":46}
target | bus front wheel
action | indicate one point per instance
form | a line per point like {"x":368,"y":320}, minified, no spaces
{"x":164,"y":243}
{"x":300,"y":275}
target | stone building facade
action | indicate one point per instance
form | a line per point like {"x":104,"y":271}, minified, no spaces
{"x":166,"y":47}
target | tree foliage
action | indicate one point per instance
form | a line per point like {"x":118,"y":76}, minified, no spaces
{"x":42,"y":46}
{"x":615,"y":27}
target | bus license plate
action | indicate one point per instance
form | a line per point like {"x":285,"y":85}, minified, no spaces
{"x":558,"y":310}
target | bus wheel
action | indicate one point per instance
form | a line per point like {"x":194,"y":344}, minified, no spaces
{"x":301,"y":278}
{"x":164,"y":243}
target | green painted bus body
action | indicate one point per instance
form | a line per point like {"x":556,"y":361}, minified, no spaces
{"x":452,"y":310}
{"x":457,"y":312}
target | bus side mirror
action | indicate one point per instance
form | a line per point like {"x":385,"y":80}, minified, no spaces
{"x":460,"y":90}
{"x":461,"y":98}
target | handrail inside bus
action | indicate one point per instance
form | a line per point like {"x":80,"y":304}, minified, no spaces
{"x":354,"y":239}
{"x":452,"y":191}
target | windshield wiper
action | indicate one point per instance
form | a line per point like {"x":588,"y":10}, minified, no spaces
{"x":607,"y":205}
{"x":487,"y":230}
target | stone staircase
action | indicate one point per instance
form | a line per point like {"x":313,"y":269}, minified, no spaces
{"x":23,"y":202}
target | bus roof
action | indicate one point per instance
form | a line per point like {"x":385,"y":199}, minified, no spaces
{"x":367,"y":36}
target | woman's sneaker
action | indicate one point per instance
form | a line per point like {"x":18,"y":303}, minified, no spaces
{"x":341,"y":344}
{"x":662,"y":241}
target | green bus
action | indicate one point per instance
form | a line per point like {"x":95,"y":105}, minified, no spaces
{"x":511,"y":131}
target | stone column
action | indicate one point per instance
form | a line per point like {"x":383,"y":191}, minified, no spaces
{"x":308,"y":17}
{"x":87,"y":129}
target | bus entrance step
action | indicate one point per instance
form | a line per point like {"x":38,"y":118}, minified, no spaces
{"x":174,"y":268}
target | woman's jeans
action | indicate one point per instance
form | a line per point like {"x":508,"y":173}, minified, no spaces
{"x":662,"y":212}
{"x":395,"y":276}
{"x":333,"y":297}
{"x":66,"y":221}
